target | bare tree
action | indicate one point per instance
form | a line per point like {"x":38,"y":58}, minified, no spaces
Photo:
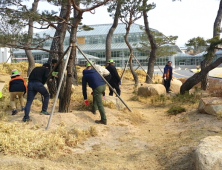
{"x":118,"y":4}
{"x":152,"y":41}
{"x":130,"y":12}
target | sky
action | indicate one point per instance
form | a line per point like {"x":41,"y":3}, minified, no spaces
{"x":186,"y":19}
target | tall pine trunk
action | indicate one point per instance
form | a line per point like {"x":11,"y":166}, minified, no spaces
{"x":151,"y":39}
{"x":111,"y":31}
{"x":131,"y":54}
{"x":65,"y":100}
{"x":28,"y":53}
{"x":58,"y":42}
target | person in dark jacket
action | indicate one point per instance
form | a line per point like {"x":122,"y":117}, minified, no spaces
{"x":167,"y":76}
{"x":94,"y":80}
{"x":115,"y":79}
{"x":37,"y":79}
{"x":17,"y":87}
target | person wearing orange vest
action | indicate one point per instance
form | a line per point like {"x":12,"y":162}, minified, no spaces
{"x":17,"y":87}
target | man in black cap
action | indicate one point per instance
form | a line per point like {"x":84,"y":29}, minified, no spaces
{"x":37,"y":79}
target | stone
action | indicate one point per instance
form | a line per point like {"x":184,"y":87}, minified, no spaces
{"x":115,"y":100}
{"x":211,"y":105}
{"x":175,"y":86}
{"x":151,"y":90}
{"x":208,"y":154}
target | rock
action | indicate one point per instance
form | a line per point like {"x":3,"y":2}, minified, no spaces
{"x":208,"y":154}
{"x":116,"y":101}
{"x":151,"y":90}
{"x":211,"y":105}
{"x":175,"y":86}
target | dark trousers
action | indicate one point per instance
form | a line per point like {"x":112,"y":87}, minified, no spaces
{"x":167,"y":84}
{"x":33,"y":88}
{"x":115,"y":86}
{"x":97,"y":101}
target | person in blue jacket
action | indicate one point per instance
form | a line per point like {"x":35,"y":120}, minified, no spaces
{"x":94,"y":80}
{"x":168,"y":75}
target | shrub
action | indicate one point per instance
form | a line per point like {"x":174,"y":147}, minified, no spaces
{"x":175,"y":110}
{"x":186,"y":98}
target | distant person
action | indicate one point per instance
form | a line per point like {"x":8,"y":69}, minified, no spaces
{"x":17,"y":87}
{"x":53,"y":81}
{"x":115,"y":79}
{"x":167,"y":76}
{"x":37,"y":79}
{"x":94,"y":80}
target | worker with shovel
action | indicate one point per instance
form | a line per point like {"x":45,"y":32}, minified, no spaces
{"x":93,"y":79}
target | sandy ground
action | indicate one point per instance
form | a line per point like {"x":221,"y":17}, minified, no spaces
{"x":150,"y":139}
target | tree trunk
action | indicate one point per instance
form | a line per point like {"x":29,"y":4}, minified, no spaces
{"x":29,"y":55}
{"x":204,"y":81}
{"x":60,"y":30}
{"x":216,"y":33}
{"x":111,"y":31}
{"x":65,"y":99}
{"x":57,"y":43}
{"x":196,"y":78}
{"x":217,"y":22}
{"x":151,"y":39}
{"x":31,"y":61}
{"x":131,"y":53}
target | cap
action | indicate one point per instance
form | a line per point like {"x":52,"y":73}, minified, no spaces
{"x":88,"y":64}
{"x":111,"y":61}
{"x":15,"y":72}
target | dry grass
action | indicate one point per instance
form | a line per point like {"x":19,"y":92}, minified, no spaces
{"x":19,"y":140}
{"x":135,"y":117}
{"x":6,"y":68}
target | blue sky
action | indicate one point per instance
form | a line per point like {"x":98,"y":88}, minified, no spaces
{"x":186,"y":19}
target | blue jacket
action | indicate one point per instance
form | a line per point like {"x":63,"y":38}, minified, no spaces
{"x":93,"y":79}
{"x":168,"y":72}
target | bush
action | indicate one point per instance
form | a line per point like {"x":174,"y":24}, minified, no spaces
{"x":174,"y":110}
{"x":186,"y":98}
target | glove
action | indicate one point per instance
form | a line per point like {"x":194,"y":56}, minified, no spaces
{"x":120,"y":83}
{"x":164,"y":78}
{"x":86,"y":102}
{"x":92,"y":93}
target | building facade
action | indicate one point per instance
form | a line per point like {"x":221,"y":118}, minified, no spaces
{"x":92,"y":43}
{"x":5,"y":55}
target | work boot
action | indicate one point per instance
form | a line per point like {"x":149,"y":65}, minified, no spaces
{"x":14,"y":111}
{"x":23,"y":108}
{"x":101,"y":122}
{"x":44,"y":112}
{"x":26,"y":120}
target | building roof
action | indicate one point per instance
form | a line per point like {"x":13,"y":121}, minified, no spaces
{"x":182,"y":55}
{"x":101,"y":29}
